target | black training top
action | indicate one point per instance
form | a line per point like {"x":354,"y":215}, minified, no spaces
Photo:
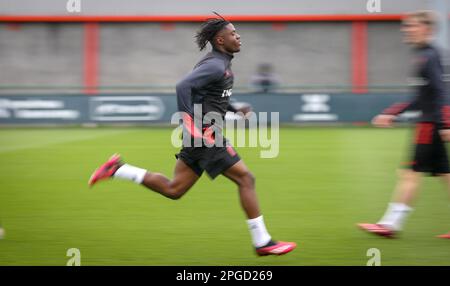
{"x":210,"y":84}
{"x":431,"y":98}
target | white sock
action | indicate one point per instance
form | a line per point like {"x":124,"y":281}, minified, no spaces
{"x":128,"y":172}
{"x":260,"y":236}
{"x":395,"y":216}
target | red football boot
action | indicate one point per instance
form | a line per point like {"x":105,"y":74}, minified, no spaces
{"x":106,"y":170}
{"x":377,"y":229}
{"x":447,"y":236}
{"x":279,"y":248}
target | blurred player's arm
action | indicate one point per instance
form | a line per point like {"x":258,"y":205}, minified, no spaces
{"x":444,"y":110}
{"x":201,"y":76}
{"x":445,"y":117}
{"x":434,"y":73}
{"x":445,"y":132}
{"x":387,"y":117}
{"x":242,"y":107}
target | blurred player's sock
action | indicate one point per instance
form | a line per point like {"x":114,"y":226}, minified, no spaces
{"x":260,"y":236}
{"x":395,"y":216}
{"x":131,"y":173}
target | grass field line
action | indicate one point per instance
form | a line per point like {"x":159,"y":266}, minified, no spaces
{"x":55,"y":140}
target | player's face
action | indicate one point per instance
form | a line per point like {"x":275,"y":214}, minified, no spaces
{"x":415,"y":32}
{"x":230,"y":39}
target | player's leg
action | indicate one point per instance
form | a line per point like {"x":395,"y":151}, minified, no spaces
{"x":428,"y":153}
{"x":407,"y":185}
{"x":405,"y":192}
{"x":241,"y":175}
{"x":398,"y":210}
{"x":442,"y":162}
{"x":244,"y":179}
{"x":446,"y":180}
{"x":442,"y":168}
{"x":184,"y":177}
{"x":444,"y":173}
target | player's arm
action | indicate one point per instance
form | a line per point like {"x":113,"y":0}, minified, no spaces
{"x":434,"y":74}
{"x":445,"y":120}
{"x":201,"y":76}
{"x":445,"y":131}
{"x":236,"y":107}
{"x":387,"y":116}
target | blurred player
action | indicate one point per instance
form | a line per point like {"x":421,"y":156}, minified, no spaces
{"x":432,"y":130}
{"x":208,"y":84}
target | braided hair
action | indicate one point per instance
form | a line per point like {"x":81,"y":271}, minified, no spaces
{"x":209,"y":30}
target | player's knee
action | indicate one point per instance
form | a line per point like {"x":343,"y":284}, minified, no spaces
{"x":248,"y":179}
{"x":176,"y":192}
{"x":407,"y":175}
{"x":175,"y":196}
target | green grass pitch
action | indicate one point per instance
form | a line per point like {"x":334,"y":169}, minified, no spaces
{"x":323,"y":182}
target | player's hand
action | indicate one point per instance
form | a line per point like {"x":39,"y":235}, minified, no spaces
{"x":383,"y":120}
{"x":246,"y":109}
{"x":247,"y":112}
{"x":445,"y":134}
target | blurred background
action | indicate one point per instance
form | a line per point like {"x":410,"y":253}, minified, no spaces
{"x":70,"y":65}
{"x":296,"y":47}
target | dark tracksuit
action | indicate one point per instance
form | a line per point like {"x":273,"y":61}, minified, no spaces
{"x":430,"y":154}
{"x":209,"y":85}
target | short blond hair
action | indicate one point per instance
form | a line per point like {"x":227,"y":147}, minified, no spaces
{"x":426,"y":17}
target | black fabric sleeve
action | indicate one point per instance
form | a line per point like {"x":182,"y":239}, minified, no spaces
{"x":434,"y":73}
{"x":400,"y":107}
{"x":202,"y":75}
{"x":413,"y":104}
{"x":231,"y":108}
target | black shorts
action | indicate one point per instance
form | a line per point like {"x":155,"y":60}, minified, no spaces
{"x":214,"y":160}
{"x":429,"y":153}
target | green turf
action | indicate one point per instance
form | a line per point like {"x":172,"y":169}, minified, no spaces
{"x":323,"y":182}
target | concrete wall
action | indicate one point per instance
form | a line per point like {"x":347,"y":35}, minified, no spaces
{"x":148,"y":53}
{"x":301,"y":53}
{"x":189,"y":7}
{"x":41,"y":54}
{"x":155,"y":54}
{"x":143,"y":53}
{"x":388,"y":58}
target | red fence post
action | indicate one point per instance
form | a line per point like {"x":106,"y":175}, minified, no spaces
{"x":359,"y":56}
{"x":90,"y":60}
